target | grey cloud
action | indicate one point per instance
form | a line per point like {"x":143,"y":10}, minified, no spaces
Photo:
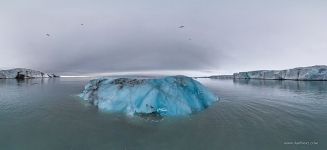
{"x":144,"y":35}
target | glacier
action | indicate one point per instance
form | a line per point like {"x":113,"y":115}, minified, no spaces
{"x":23,"y":73}
{"x":165,"y":96}
{"x":310,"y":73}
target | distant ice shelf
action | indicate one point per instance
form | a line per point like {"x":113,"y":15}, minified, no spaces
{"x":167,"y":96}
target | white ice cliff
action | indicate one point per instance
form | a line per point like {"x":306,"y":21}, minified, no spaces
{"x":22,"y":73}
{"x":300,"y":73}
{"x":167,"y":96}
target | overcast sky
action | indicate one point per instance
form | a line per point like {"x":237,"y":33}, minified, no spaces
{"x":220,"y":36}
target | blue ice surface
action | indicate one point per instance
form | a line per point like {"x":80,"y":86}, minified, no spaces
{"x":166,"y":96}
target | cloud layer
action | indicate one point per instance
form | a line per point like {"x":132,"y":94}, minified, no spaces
{"x":144,"y":35}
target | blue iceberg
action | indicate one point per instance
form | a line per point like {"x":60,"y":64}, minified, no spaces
{"x":167,"y":96}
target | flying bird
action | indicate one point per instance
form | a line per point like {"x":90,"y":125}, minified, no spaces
{"x":47,"y":34}
{"x":82,"y":24}
{"x":181,"y":26}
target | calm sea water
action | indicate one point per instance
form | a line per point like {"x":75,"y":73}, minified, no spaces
{"x":255,"y":114}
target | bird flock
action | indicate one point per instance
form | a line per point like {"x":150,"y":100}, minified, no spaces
{"x":82,"y":24}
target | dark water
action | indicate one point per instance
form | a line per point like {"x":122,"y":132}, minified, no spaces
{"x":255,"y":114}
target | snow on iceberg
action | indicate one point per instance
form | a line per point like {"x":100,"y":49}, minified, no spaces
{"x":167,"y":96}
